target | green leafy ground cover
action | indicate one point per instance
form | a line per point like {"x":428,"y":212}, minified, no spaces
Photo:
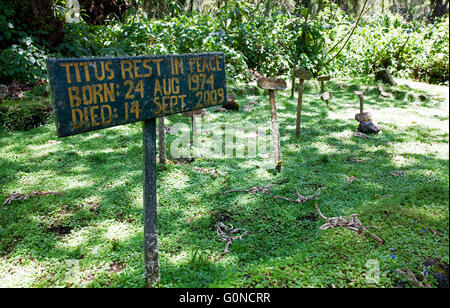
{"x":93,"y":235}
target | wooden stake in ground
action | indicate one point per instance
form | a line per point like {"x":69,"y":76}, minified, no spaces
{"x":366,"y":123}
{"x":322,"y":80}
{"x":162,"y":142}
{"x":273,"y":84}
{"x":194,"y":115}
{"x":303,"y":75}
{"x":361,"y":100}
{"x":325,"y":96}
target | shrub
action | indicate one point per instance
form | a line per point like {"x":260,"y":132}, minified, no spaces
{"x":25,"y":116}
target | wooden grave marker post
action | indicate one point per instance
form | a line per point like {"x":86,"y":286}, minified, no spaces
{"x":273,"y":84}
{"x":303,"y":75}
{"x":325,"y":96}
{"x":95,"y":93}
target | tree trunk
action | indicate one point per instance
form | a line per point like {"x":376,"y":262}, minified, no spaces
{"x":438,"y":8}
{"x":98,"y":11}
{"x":39,"y":13}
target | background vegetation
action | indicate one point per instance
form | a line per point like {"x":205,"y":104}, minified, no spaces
{"x":397,"y":180}
{"x":270,"y":37}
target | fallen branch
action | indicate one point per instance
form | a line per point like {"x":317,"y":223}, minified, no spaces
{"x":352,"y":223}
{"x":300,"y":199}
{"x":226,"y":234}
{"x":253,"y":190}
{"x":18,"y":196}
{"x":398,"y":173}
{"x":410,"y":276}
{"x":211,"y":172}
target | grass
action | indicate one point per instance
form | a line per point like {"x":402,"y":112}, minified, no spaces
{"x":93,"y":235}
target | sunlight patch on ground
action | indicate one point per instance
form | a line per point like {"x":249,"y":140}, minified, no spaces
{"x":175,"y":179}
{"x":19,"y":275}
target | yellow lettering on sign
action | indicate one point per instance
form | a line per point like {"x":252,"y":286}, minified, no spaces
{"x":94,"y":116}
{"x":126,"y":67}
{"x":110,"y":71}
{"x":77,"y":118}
{"x":145,"y":64}
{"x":110,"y":95}
{"x":86,"y":92}
{"x":158,"y":104}
{"x":67,"y":67}
{"x":136,"y":68}
{"x":218,"y":68}
{"x":177,"y":66}
{"x":86,"y":70}
{"x":191,"y":64}
{"x":157,"y":88}
{"x":74,"y":96}
{"x":97,"y":75}
{"x":77,"y":72}
{"x":106,"y":121}
{"x":97,"y":93}
{"x":158,"y":67}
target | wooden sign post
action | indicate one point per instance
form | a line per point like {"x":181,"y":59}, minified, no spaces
{"x":95,"y":93}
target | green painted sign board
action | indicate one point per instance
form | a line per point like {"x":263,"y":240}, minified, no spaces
{"x":94,"y":93}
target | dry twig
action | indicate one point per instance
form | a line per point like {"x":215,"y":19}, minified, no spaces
{"x":410,"y":276}
{"x":352,"y":223}
{"x":211,"y":172}
{"x":226,"y":234}
{"x":18,"y":196}
{"x":398,"y":173}
{"x":253,"y":190}
{"x":350,"y":179}
{"x":300,"y":199}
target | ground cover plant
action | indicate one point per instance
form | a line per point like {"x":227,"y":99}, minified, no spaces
{"x":397,"y":181}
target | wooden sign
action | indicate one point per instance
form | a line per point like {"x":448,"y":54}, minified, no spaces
{"x":95,"y":93}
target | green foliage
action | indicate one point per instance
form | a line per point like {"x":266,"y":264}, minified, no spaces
{"x":266,"y":38}
{"x":25,"y":115}
{"x":409,"y":50}
{"x":97,"y":225}
{"x":24,"y":61}
{"x":22,"y":56}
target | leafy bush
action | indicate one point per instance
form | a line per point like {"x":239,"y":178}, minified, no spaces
{"x":268,"y":39}
{"x":409,"y":50}
{"x":23,"y":55}
{"x":25,"y":116}
{"x":24,"y":62}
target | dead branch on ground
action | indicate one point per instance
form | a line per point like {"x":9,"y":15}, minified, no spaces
{"x":300,"y":199}
{"x":19,"y":196}
{"x":226,"y":234}
{"x":351,"y":223}
{"x":253,"y":190}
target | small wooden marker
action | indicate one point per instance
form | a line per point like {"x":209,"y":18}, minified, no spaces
{"x":383,"y":92}
{"x":273,"y":84}
{"x":326,"y":97}
{"x":322,"y":80}
{"x":361,"y":100}
{"x":303,"y":75}
{"x":194,"y":115}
